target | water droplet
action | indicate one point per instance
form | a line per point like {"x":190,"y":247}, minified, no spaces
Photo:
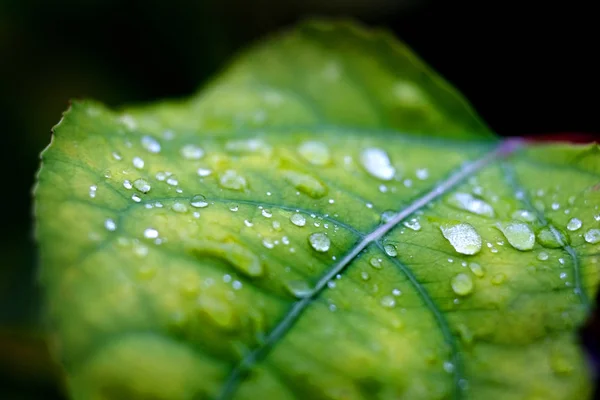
{"x":422,"y":173}
{"x":117,"y":156}
{"x":574,"y":224}
{"x":387,"y":216}
{"x":519,"y":235}
{"x":320,"y":242}
{"x":93,"y":190}
{"x":138,"y":162}
{"x":498,"y":279}
{"x":331,"y":284}
{"x":388,"y":302}
{"x":542,"y":256}
{"x":142,"y":185}
{"x":135,"y":197}
{"x":592,"y":236}
{"x":305,"y":183}
{"x":448,"y":367}
{"x":462,"y":284}
{"x":365,"y":276}
{"x":172,"y":181}
{"x":547,"y":238}
{"x":179,"y":207}
{"x":127,"y":184}
{"x":266,"y":213}
{"x":191,"y":152}
{"x":230,"y":179}
{"x":468,"y":202}
{"x":298,"y":219}
{"x":477,"y":269}
{"x":203,"y":172}
{"x":110,"y":225}
{"x":463,"y":237}
{"x":390,"y":250}
{"x":234,"y":207}
{"x":396,"y":292}
{"x":377,"y":163}
{"x":198,"y":201}
{"x":150,"y":233}
{"x":413,"y":224}
{"x":524,"y":215}
{"x":316,"y":153}
{"x":299,"y":288}
{"x":555,"y":206}
{"x":150,"y":144}
{"x":375,"y":262}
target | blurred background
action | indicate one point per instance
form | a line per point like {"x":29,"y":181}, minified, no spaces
{"x":528,"y":70}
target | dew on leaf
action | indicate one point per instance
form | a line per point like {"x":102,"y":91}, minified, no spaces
{"x":463,"y":237}
{"x":542,"y":256}
{"x":375,"y":262}
{"x":179,"y":207}
{"x":305,"y":183}
{"x":117,"y":156}
{"x":519,"y":235}
{"x":298,"y":288}
{"x":230,"y":179}
{"x":316,"y":153}
{"x":476,"y":269}
{"x":592,"y":236}
{"x":467,"y":202}
{"x":388,"y":302}
{"x":234,"y":207}
{"x":150,"y":144}
{"x":142,"y":185}
{"x":198,"y":201}
{"x":498,"y":279}
{"x":390,"y":249}
{"x":298,"y":219}
{"x":127,"y":184}
{"x":547,"y":238}
{"x":377,"y":163}
{"x":135,"y":197}
{"x":93,"y":190}
{"x":160,"y":176}
{"x":138,"y":162}
{"x":396,"y":292}
{"x":448,"y":367}
{"x":150,"y":233}
{"x":422,"y":173}
{"x":524,"y":215}
{"x":191,"y":152}
{"x":203,"y":172}
{"x":110,"y":225}
{"x":413,"y":224}
{"x":266,"y":213}
{"x":387,"y":216}
{"x":574,"y":224}
{"x":319,"y":242}
{"x":462,"y":284}
{"x":172,"y":181}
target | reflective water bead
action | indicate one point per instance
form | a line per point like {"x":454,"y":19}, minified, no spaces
{"x":198,"y":201}
{"x":142,"y":185}
{"x":319,"y":242}
{"x":462,"y":284}
{"x":110,"y":225}
{"x":377,"y":163}
{"x":138,"y":162}
{"x":592,"y":236}
{"x":574,"y":224}
{"x":150,"y":233}
{"x":150,"y":144}
{"x":191,"y":152}
{"x":314,"y":152}
{"x":298,"y":219}
{"x":463,"y":237}
{"x":519,"y":235}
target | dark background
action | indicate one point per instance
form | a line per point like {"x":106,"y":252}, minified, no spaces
{"x":528,"y":69}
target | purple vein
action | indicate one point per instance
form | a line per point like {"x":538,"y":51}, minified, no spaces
{"x":503,"y":150}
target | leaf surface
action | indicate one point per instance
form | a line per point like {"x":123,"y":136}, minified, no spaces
{"x":327,"y":219}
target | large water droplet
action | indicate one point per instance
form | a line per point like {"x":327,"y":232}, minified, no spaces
{"x":592,"y":236}
{"x":467,"y":202}
{"x":230,"y":179}
{"x":305,"y":183}
{"x":198,"y":201}
{"x":320,"y":242}
{"x":377,"y":163}
{"x":316,"y":153}
{"x":299,"y":288}
{"x":150,"y":144}
{"x":518,"y":234}
{"x":191,"y":152}
{"x":462,"y":284}
{"x":142,"y":185}
{"x":524,"y":215}
{"x":574,"y":224}
{"x":463,"y":237}
{"x":298,"y":219}
{"x":547,"y":238}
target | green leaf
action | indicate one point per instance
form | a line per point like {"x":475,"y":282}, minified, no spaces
{"x":326,"y":220}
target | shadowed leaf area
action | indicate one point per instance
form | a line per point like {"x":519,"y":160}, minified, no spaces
{"x":327,"y":219}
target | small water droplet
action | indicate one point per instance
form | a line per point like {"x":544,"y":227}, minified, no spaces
{"x":467,"y":202}
{"x":110,"y":225}
{"x":319,"y":242}
{"x":524,"y":215}
{"x":390,"y":250}
{"x":477,"y":269}
{"x":498,"y":279}
{"x":116,"y":156}
{"x":547,"y":238}
{"x":298,"y":219}
{"x":316,"y":153}
{"x":305,"y":183}
{"x":365,"y":276}
{"x":519,"y":235}
{"x":542,"y":256}
{"x":191,"y":152}
{"x":179,"y":207}
{"x":142,"y":185}
{"x":555,"y":206}
{"x":592,"y":236}
{"x":413,"y":224}
{"x":462,"y":284}
{"x":198,"y":201}
{"x":135,"y":197}
{"x":387,"y":216}
{"x":248,"y":223}
{"x":375,"y":262}
{"x":448,"y":367}
{"x":150,"y":144}
{"x":396,"y":292}
{"x":422,"y":173}
{"x":377,"y":163}
{"x":138,"y":162}
{"x":127,"y":184}
{"x":234,"y":207}
{"x":150,"y":233}
{"x":93,"y":190}
{"x":172,"y":181}
{"x":388,"y":302}
{"x":299,"y":288}
{"x":230,"y":179}
{"x":463,"y":237}
{"x":266,"y":213}
{"x":574,"y":224}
